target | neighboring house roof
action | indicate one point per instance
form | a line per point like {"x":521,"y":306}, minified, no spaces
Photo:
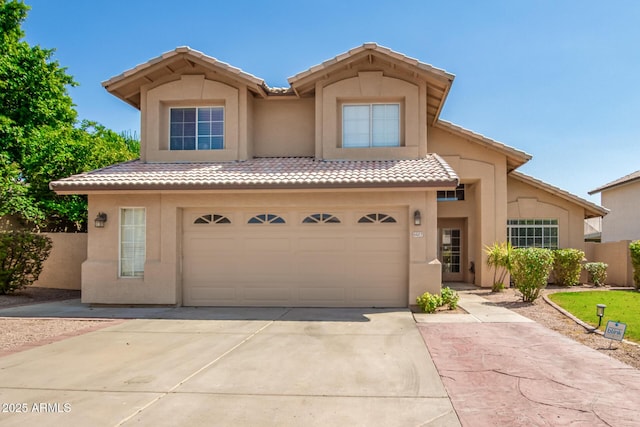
{"x":515,"y":157}
{"x":264,"y":173}
{"x":627,"y":179}
{"x":126,"y":86}
{"x":590,"y":209}
{"x":438,"y":81}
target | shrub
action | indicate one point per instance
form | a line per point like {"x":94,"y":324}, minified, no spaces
{"x":597,"y":272}
{"x":450,"y":298}
{"x":634,"y":248}
{"x":530,"y":270}
{"x":22,"y":255}
{"x":429,"y":302}
{"x":567,"y":266}
{"x":499,"y":257}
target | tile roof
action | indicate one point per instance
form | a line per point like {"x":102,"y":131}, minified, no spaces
{"x":192,"y":52}
{"x":264,"y":173}
{"x":371,"y":46}
{"x":635,"y":176}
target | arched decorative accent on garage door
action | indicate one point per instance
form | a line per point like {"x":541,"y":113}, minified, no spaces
{"x":266,"y":219}
{"x":324,"y":218}
{"x":374,"y":218}
{"x":212,"y":219}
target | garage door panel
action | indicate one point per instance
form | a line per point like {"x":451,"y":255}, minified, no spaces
{"x":321,"y":244}
{"x":327,"y":268}
{"x":204,"y":245}
{"x":260,"y":295}
{"x":322,"y":296}
{"x":379,"y":244}
{"x":344,"y":264}
{"x":214,"y":295}
{"x":267,"y":244}
{"x":376,"y":296}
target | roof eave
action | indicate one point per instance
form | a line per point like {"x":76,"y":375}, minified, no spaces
{"x":515,"y":157}
{"x":141,"y":70}
{"x":613,"y":185}
{"x":63,"y":188}
{"x":592,"y":210}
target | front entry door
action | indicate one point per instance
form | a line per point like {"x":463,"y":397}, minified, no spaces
{"x":450,"y":253}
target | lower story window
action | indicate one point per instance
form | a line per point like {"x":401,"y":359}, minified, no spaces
{"x":133,"y":241}
{"x":537,"y":233}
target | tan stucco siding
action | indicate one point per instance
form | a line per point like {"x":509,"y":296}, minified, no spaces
{"x":528,"y":202}
{"x":371,"y":87}
{"x":193,"y":91}
{"x":62,"y":269}
{"x":284,"y":127}
{"x":162,"y":277}
{"x":622,"y":222}
{"x":483,"y":171}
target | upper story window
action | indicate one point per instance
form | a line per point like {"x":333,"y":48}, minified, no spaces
{"x":370,"y":125}
{"x":451,"y":195}
{"x":196,"y":128}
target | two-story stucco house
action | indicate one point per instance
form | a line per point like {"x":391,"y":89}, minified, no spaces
{"x":622,"y":198}
{"x":344,"y":189}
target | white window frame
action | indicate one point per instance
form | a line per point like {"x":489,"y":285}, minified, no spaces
{"x":371,"y":144}
{"x":197,"y":107}
{"x":545,"y":225}
{"x":120,"y":242}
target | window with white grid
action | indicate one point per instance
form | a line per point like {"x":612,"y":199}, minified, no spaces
{"x":133,"y":241}
{"x":370,"y":125}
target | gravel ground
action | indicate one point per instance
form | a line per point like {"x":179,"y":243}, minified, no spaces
{"x":18,"y":333}
{"x":543,"y":313}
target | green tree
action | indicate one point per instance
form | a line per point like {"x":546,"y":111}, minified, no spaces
{"x":40,"y":139}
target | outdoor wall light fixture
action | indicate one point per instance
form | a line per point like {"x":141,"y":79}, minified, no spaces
{"x":417,"y":218}
{"x":100,"y":220}
{"x":600,"y":313}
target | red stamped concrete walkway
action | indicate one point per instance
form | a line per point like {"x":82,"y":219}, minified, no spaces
{"x":523,"y":374}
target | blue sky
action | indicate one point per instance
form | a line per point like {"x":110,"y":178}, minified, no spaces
{"x":557,"y":79}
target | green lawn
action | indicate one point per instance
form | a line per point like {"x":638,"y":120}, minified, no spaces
{"x":622,"y":306}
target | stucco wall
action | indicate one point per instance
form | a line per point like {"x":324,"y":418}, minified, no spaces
{"x":283,"y":127}
{"x":484,"y":174}
{"x":193,"y":91}
{"x":370,"y":86}
{"x":528,"y":202}
{"x":618,"y":258}
{"x":622,"y":222}
{"x":162,"y":278}
{"x":62,"y":270}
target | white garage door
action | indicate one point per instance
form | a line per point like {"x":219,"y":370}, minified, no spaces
{"x":300,"y":259}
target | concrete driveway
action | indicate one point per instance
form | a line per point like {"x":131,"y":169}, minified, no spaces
{"x":237,"y":367}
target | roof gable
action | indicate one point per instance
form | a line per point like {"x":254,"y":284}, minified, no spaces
{"x":182,"y":60}
{"x":590,"y":209}
{"x":373,"y":56}
{"x":515,"y":157}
